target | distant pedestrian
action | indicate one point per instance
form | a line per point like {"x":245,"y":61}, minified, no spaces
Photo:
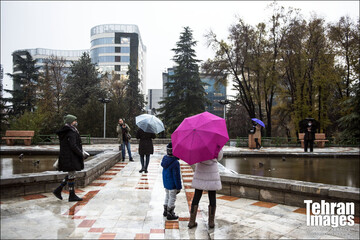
{"x":146,"y":148}
{"x":71,"y":157}
{"x":172,"y":182}
{"x":206,"y":177}
{"x":309,"y":136}
{"x":123,"y":131}
{"x":257,"y":136}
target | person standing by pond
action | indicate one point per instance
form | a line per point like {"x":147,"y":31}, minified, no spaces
{"x":257,"y":136}
{"x":146,"y":148}
{"x":123,"y":131}
{"x":206,"y":177}
{"x":71,"y":157}
{"x":309,"y":136}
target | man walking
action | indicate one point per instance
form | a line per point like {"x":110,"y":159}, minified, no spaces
{"x":123,"y":131}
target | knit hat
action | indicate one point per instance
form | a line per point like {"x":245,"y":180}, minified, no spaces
{"x":169,"y":149}
{"x":69,"y":118}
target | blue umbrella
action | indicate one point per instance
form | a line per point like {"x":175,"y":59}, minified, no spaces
{"x":258,"y":121}
{"x":149,"y":123}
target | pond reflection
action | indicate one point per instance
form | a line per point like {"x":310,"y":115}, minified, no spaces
{"x":336,"y":171}
{"x":11,"y":164}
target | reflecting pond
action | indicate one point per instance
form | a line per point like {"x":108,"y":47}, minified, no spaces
{"x":335,"y":171}
{"x":11,"y":164}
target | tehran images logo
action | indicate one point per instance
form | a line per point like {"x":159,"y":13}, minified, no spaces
{"x":329,"y":214}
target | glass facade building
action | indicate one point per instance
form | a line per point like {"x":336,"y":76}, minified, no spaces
{"x":116,"y":46}
{"x":113,"y":47}
{"x":213,"y":93}
{"x":41,"y":55}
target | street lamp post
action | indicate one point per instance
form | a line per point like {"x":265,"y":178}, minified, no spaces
{"x":224,"y":102}
{"x":105,"y":101}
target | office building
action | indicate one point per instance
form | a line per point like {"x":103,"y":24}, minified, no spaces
{"x":154,"y":96}
{"x":213,"y":93}
{"x":116,"y":46}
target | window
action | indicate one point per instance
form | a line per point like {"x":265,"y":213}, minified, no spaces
{"x":117,"y":67}
{"x":99,"y":41}
{"x":117,"y":58}
{"x":125,"y":40}
{"x":125,"y":58}
{"x":117,"y":49}
{"x":125,"y":49}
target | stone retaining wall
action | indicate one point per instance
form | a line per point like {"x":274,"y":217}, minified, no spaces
{"x":25,"y":184}
{"x":288,"y":192}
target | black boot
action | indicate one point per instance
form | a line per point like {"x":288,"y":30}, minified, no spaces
{"x":58,"y":190}
{"x":211,"y":221}
{"x":131,"y":159}
{"x":72,"y":195}
{"x":171,"y":214}
{"x":193,"y":212}
{"x":165,"y":211}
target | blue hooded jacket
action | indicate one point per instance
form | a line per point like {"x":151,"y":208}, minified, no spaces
{"x":171,"y":172}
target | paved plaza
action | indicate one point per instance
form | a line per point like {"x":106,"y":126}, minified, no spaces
{"x":126,"y":204}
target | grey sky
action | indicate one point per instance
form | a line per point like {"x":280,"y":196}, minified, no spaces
{"x":66,"y":25}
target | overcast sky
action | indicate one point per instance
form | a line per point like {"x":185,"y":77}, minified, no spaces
{"x":65,"y":25}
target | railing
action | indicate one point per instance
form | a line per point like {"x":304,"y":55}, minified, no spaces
{"x":54,"y":139}
{"x":295,"y":142}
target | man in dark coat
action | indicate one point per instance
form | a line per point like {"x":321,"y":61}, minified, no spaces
{"x":71,"y":157}
{"x":309,"y":136}
{"x":146,"y":148}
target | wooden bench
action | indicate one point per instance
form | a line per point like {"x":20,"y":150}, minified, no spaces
{"x":12,"y":135}
{"x":320,"y":139}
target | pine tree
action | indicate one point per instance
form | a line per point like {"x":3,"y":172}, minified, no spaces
{"x":81,"y":96}
{"x":134,"y":100}
{"x":186,"y":93}
{"x":25,"y":83}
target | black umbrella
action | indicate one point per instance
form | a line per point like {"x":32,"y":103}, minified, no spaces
{"x":303,"y":124}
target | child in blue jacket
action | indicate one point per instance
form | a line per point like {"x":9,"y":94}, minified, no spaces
{"x":172,"y":182}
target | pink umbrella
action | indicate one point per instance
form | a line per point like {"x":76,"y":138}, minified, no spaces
{"x":199,"y":138}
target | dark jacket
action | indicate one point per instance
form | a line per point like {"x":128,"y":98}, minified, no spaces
{"x":309,"y":135}
{"x":171,"y":172}
{"x":145,"y":144}
{"x":71,"y":153}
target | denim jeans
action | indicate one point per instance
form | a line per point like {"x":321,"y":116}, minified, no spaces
{"x":170,"y":197}
{"x":144,"y":165}
{"x":127,"y":144}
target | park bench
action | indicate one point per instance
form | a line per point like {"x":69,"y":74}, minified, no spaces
{"x":12,"y":135}
{"x":320,"y":139}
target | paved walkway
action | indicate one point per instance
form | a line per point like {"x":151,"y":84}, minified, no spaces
{"x":125,"y":204}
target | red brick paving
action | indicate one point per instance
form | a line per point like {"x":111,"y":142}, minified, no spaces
{"x":33,"y":197}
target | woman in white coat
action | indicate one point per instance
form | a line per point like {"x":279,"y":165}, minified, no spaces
{"x":206,"y":177}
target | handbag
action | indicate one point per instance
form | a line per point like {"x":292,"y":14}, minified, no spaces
{"x":128,"y":136}
{"x":56,"y":165}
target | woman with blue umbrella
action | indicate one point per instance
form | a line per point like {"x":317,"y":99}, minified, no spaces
{"x":257,"y":135}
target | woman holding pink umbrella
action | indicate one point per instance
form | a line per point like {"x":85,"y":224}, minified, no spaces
{"x":199,"y":140}
{"x":206,"y":177}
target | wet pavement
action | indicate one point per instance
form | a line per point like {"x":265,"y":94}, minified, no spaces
{"x":125,"y":204}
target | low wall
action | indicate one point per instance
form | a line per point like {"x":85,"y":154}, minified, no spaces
{"x":284,"y":191}
{"x":25,"y":184}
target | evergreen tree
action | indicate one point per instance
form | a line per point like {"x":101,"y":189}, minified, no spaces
{"x":134,"y":100}
{"x":81,"y":96}
{"x":25,"y":84}
{"x":186,"y":93}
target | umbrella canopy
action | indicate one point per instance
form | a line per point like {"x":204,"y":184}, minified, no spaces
{"x":149,"y":123}
{"x":303,"y":124}
{"x":199,"y":138}
{"x":258,"y":121}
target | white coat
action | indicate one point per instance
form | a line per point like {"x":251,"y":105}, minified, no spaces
{"x":206,"y":176}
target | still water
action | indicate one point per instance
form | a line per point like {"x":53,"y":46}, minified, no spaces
{"x":11,"y":164}
{"x":335,"y":171}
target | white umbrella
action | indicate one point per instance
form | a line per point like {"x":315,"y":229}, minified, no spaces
{"x":149,"y":123}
